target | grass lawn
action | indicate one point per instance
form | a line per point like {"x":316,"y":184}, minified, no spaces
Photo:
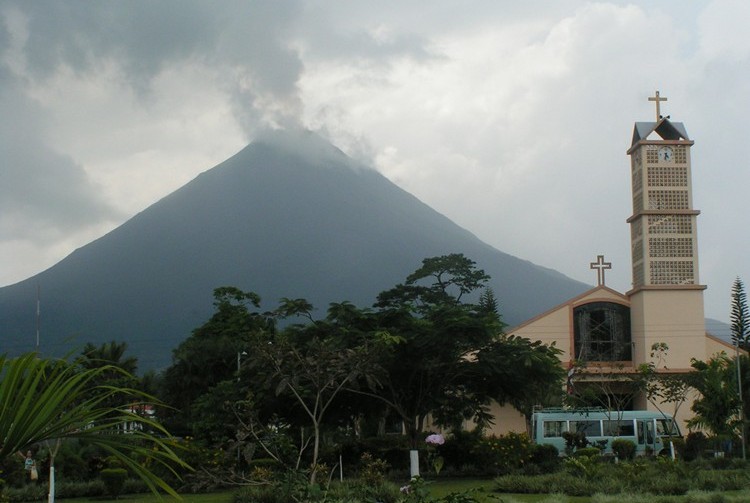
{"x":438,"y":489}
{"x":484,"y":487}
{"x":220,"y":497}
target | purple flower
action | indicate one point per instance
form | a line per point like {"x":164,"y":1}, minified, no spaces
{"x":435,"y":439}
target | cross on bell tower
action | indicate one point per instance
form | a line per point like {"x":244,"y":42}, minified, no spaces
{"x":658,"y":101}
{"x":600,"y":265}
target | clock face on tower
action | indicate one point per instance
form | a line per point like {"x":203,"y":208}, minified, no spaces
{"x":665,"y":154}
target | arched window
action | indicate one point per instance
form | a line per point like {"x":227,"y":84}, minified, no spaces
{"x":602,"y":332}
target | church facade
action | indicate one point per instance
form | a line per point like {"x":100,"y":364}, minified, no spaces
{"x":605,"y":335}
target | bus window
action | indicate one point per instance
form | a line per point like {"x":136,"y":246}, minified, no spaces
{"x":646,"y":431}
{"x":619,"y":428}
{"x":554,"y":428}
{"x":590,"y":428}
{"x":666,"y":427}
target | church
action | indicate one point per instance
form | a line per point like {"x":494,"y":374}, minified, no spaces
{"x":605,"y":335}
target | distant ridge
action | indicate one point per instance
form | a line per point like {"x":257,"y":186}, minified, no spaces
{"x":287,"y":216}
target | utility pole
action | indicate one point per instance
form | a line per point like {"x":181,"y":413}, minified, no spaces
{"x":38,"y":314}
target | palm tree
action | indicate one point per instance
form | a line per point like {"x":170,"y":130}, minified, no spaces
{"x":110,"y":353}
{"x":50,"y":400}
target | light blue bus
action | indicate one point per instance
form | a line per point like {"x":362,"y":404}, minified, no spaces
{"x":648,"y":430}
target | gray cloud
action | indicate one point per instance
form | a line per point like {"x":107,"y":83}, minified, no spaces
{"x":245,"y":42}
{"x":510,"y":117}
{"x":43,"y":193}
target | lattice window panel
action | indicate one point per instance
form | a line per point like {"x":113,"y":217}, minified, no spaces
{"x":637,"y":180}
{"x":638,"y":277}
{"x":671,"y":272}
{"x":671,"y":247}
{"x":652,"y":154}
{"x":667,"y":199}
{"x":667,"y":176}
{"x":637,"y":202}
{"x":637,"y":250}
{"x":670,"y":224}
{"x":680,"y":154}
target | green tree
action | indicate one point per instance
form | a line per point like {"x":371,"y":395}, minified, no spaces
{"x":210,"y":355}
{"x":315,"y":364}
{"x":740,"y":316}
{"x":520,"y":372}
{"x":716,"y":410}
{"x":448,"y":358}
{"x":662,"y":387}
{"x":117,"y":369}
{"x":740,"y":323}
{"x":110,"y":354}
{"x":429,"y":369}
{"x":50,"y":400}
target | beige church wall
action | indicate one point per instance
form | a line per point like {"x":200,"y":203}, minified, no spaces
{"x":672,"y":316}
{"x":715,"y":346}
{"x":552,"y":327}
{"x":506,"y":419}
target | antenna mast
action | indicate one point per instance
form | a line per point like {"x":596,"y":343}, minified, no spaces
{"x":38,"y":315}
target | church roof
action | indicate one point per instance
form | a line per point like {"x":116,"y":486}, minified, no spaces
{"x":666,"y":129}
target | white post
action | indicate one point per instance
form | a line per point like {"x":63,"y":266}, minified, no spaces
{"x":341,"y":467}
{"x":51,"y":495}
{"x":414,"y":463}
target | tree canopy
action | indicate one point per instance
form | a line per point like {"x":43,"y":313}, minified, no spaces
{"x":44,"y":400}
{"x":430,"y":348}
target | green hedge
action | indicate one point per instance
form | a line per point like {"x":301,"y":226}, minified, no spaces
{"x":656,"y":476}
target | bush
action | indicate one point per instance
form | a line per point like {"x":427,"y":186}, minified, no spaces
{"x":696,"y":444}
{"x":574,"y":440}
{"x":459,"y":449}
{"x":372,"y":471}
{"x":393,"y":449}
{"x":679,"y":446}
{"x":588,"y":452}
{"x":623,"y":449}
{"x":544,"y":453}
{"x":384,"y":492}
{"x":114,"y":480}
{"x":349,"y":492}
{"x":505,"y":453}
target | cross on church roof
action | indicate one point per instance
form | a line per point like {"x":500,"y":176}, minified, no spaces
{"x":600,"y":265}
{"x":658,"y":101}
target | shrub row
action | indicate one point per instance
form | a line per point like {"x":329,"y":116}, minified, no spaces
{"x":66,"y":489}
{"x":586,"y":476}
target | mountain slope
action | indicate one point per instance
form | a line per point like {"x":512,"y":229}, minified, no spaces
{"x":288,"y":216}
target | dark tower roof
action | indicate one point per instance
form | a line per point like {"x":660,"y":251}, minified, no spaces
{"x":666,"y":129}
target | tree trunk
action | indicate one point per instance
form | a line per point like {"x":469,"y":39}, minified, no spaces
{"x":316,"y":449}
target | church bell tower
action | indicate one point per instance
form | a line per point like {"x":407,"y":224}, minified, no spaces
{"x":667,"y":297}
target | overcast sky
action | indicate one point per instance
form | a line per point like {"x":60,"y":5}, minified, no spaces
{"x":511,"y":118}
